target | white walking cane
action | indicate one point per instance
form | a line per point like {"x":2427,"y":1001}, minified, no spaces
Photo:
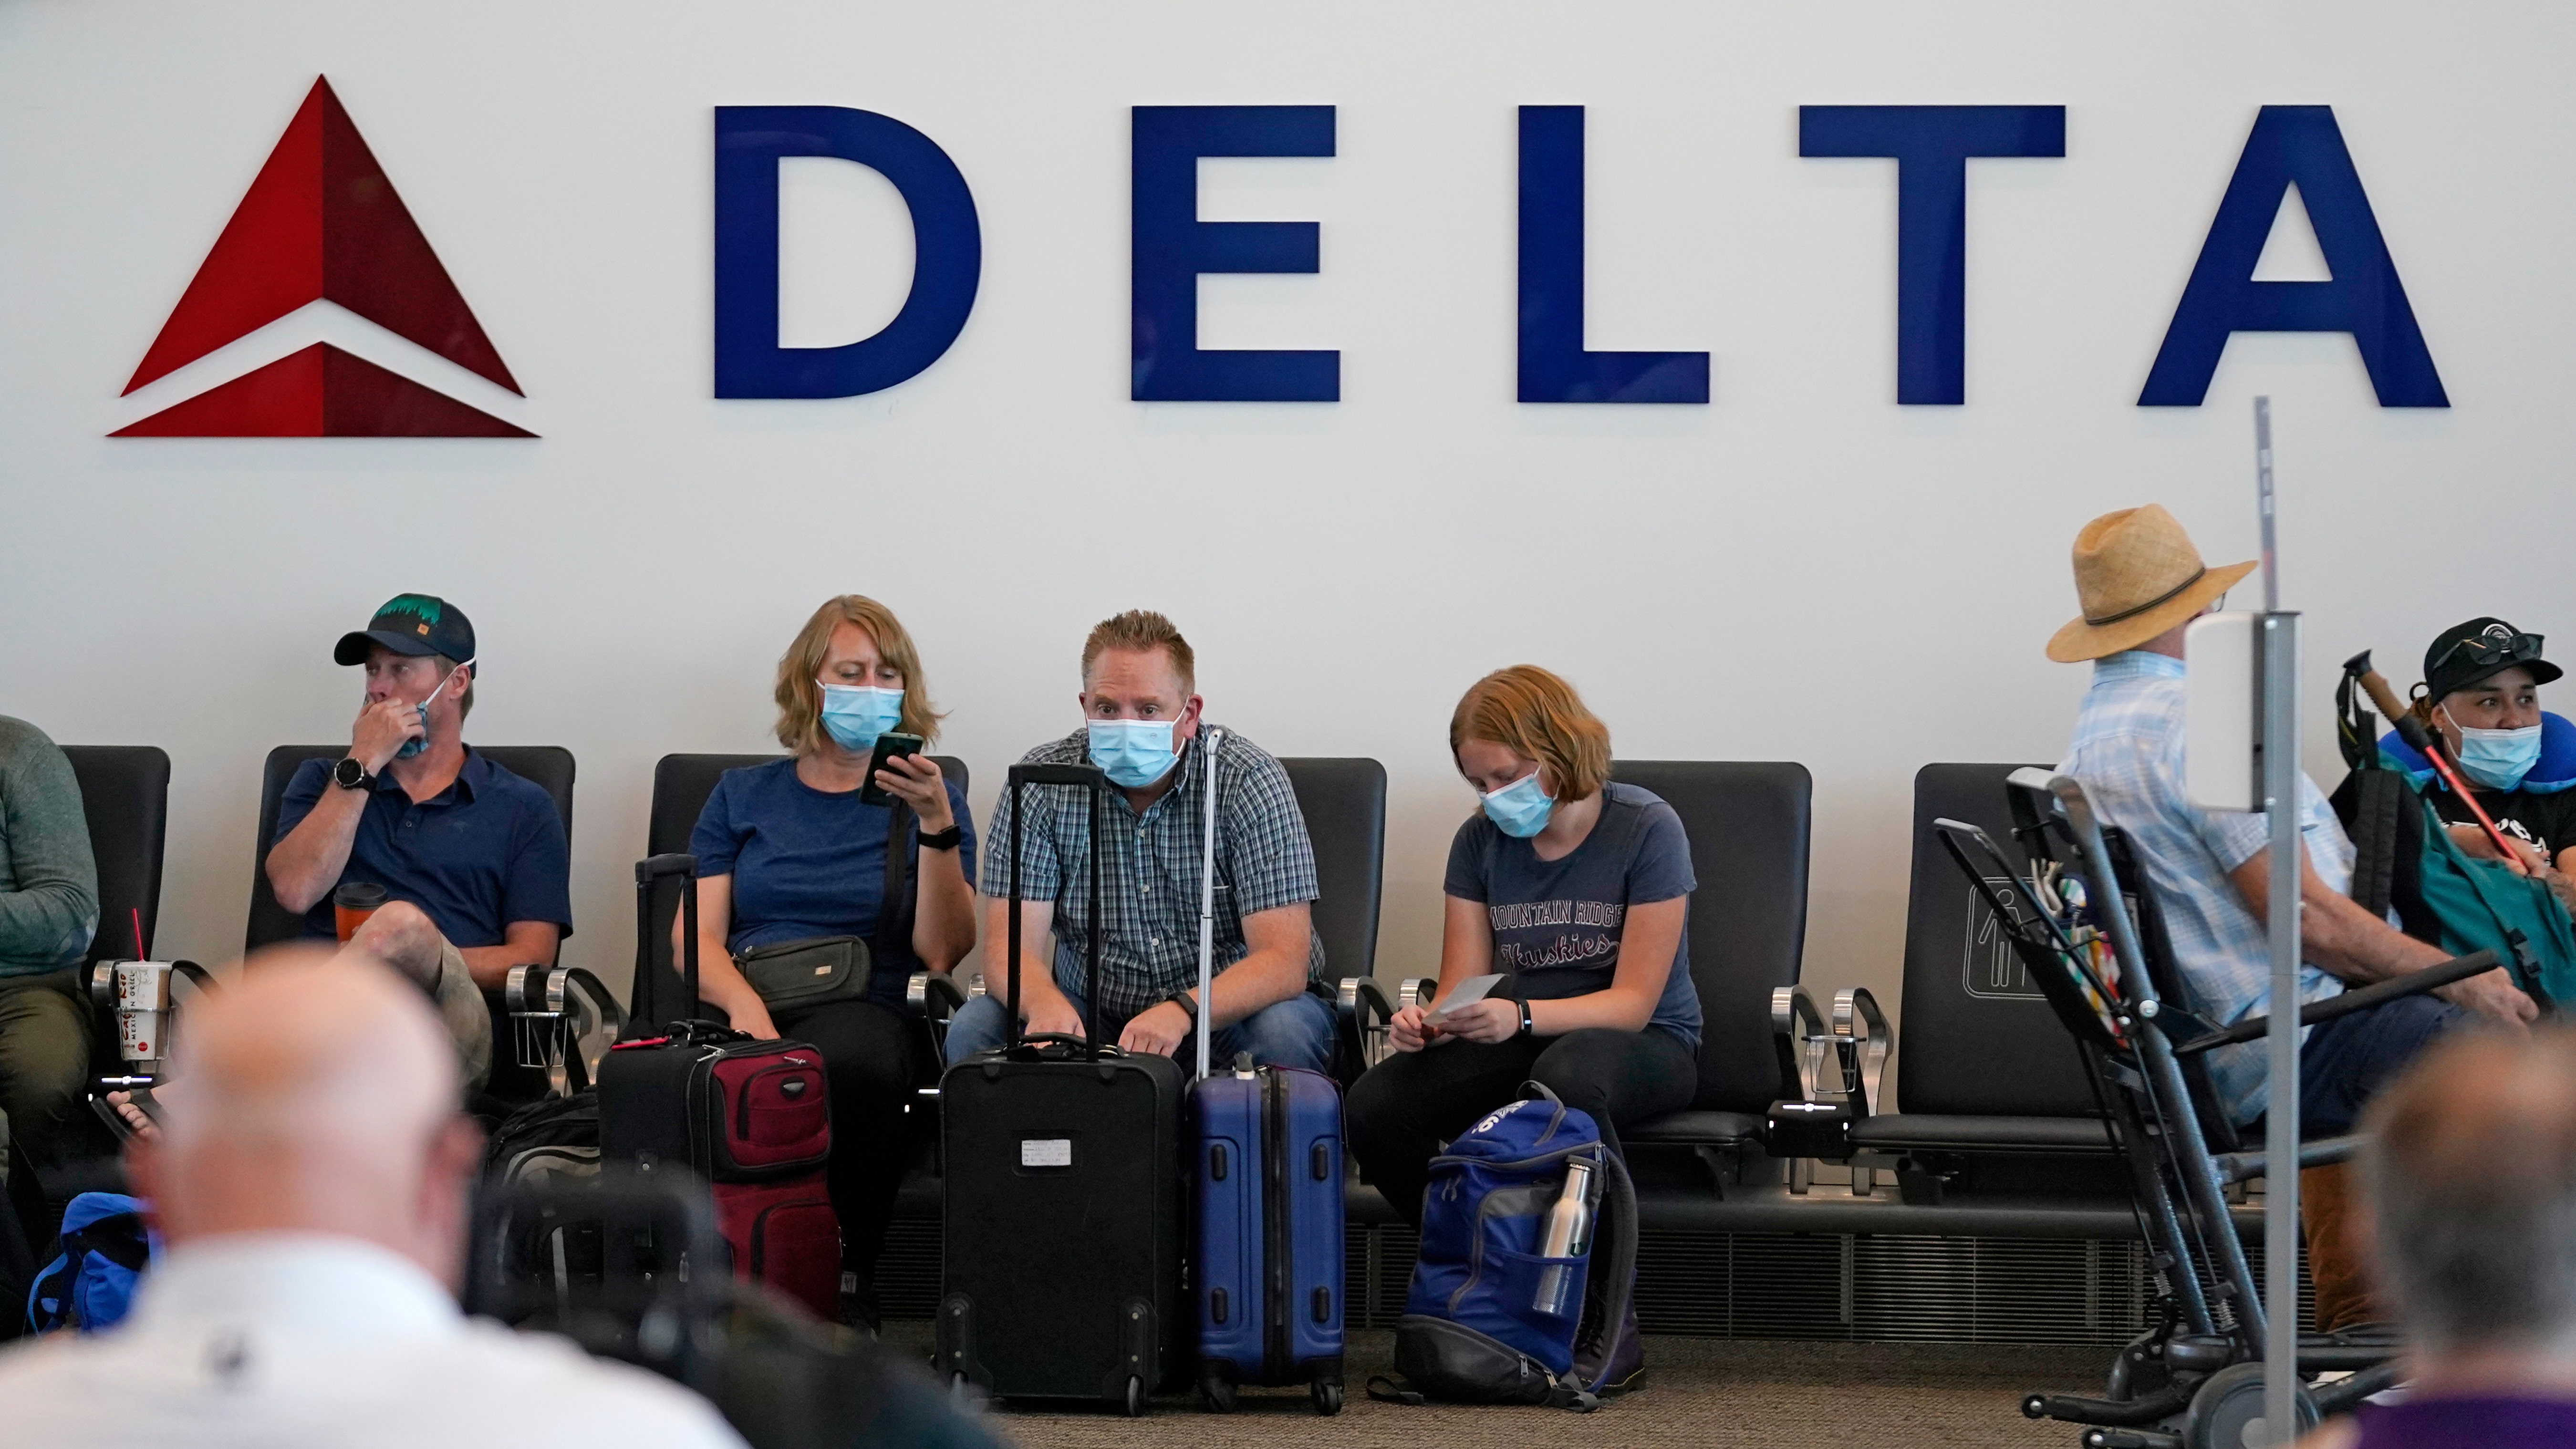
{"x":1208,"y":741}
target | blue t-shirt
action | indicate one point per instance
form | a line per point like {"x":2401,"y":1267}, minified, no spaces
{"x":808,"y":862}
{"x":1558,"y":923}
{"x":487,"y":850}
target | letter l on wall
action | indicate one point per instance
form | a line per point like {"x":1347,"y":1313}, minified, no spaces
{"x":947,"y":250}
{"x":1554,"y":367}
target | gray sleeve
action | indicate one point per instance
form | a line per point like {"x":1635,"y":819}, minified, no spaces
{"x":1273,"y":861}
{"x":50,"y":910}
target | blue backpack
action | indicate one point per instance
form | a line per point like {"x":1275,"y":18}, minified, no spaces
{"x":1472,"y":1330}
{"x":105,"y":1249}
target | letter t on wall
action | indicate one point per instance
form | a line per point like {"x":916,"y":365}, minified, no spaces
{"x":1931,"y":146}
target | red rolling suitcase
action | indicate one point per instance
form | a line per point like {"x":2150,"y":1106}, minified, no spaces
{"x":750,"y":1116}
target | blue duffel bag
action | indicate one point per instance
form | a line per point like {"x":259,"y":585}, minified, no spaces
{"x":1478,"y":1327}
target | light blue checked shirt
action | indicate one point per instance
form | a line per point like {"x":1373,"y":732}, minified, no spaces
{"x":2128,"y":752}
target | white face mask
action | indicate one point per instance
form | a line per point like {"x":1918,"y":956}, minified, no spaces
{"x":2497,"y":759}
{"x":414,"y":746}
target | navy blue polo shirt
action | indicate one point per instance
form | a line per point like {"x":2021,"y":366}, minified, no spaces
{"x":487,"y":850}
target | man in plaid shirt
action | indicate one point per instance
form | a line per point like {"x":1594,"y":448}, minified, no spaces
{"x":1142,"y":726}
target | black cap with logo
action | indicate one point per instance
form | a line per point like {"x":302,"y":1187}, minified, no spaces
{"x":413,"y":624}
{"x":2466,"y":654}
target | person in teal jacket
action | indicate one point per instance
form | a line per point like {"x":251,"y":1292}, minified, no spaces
{"x":48,"y":912}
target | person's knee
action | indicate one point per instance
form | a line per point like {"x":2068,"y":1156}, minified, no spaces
{"x":1297,"y":1032}
{"x":977,"y":1026}
{"x":1575,"y":1068}
{"x":402,"y":936}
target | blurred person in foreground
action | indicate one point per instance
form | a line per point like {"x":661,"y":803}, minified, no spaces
{"x":2470,"y":1172}
{"x":309,"y":1185}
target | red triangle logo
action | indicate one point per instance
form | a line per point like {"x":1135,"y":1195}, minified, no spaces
{"x":321,"y":222}
{"x":321,"y":392}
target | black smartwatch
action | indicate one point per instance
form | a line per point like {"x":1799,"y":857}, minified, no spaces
{"x":1528,"y":1027}
{"x":350,"y":775}
{"x":945,"y":840}
{"x":1182,"y":1000}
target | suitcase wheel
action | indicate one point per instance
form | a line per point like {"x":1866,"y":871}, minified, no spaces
{"x":1135,"y":1397}
{"x":1328,"y":1396}
{"x":1217,"y":1391}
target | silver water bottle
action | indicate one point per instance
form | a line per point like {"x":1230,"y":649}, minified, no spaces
{"x":1568,"y":1235}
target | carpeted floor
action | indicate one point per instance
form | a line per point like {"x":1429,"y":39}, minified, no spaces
{"x":1738,"y":1393}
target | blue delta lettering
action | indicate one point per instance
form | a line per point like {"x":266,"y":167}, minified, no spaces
{"x":1171,"y":249}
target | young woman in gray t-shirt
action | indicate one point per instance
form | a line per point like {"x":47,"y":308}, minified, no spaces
{"x":1575,"y":890}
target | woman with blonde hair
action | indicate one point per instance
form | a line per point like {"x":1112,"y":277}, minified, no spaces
{"x":790,"y":857}
{"x":1574,"y":888}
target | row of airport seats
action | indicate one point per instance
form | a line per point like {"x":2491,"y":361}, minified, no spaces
{"x":1999,"y":1136}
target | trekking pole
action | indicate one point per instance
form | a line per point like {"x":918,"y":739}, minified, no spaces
{"x":2430,"y":745}
{"x":1208,"y":740}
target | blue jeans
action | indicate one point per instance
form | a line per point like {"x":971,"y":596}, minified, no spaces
{"x":1297,"y":1032}
{"x":2346,"y":1061}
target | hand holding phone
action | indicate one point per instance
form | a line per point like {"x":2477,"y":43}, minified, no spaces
{"x":888,"y":747}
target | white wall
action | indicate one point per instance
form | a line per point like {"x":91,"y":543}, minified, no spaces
{"x":1801,"y":570}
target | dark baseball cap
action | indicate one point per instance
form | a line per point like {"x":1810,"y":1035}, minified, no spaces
{"x":413,"y":624}
{"x":2469,"y":653}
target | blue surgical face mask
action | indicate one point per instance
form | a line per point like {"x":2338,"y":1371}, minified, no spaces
{"x":1519,"y":809}
{"x":855,"y":714}
{"x":1133,"y":753}
{"x":420,"y":742}
{"x":2497,"y":759}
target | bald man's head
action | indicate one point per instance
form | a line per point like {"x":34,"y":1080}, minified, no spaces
{"x":2471,"y":1162}
{"x":314,"y":1093}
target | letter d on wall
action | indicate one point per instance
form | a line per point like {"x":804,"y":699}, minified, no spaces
{"x":947,"y":249}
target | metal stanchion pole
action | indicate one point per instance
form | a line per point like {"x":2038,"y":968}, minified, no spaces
{"x":2279,"y":642}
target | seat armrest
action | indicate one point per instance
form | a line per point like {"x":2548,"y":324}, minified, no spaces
{"x":1799,"y":1042}
{"x":1862,"y":1039}
{"x":935,"y":992}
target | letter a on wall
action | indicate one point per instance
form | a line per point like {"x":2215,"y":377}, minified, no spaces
{"x":947,"y":251}
{"x":2298,"y":145}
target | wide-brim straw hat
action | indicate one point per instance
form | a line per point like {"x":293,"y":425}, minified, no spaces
{"x":2137,"y":575}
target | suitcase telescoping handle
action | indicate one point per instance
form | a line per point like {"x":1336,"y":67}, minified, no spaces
{"x":649,"y":872}
{"x":1206,"y":1024}
{"x":1093,"y":782}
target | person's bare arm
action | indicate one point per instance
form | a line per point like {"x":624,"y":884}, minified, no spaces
{"x":1646,"y":950}
{"x":943,"y":900}
{"x":523,"y":943}
{"x":719,"y":981}
{"x":1466,"y":951}
{"x":1273,"y":969}
{"x":303,"y":867}
{"x":1042,"y":1006}
{"x":2341,"y":938}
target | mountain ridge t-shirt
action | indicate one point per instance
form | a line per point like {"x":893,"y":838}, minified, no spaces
{"x":1558,"y":924}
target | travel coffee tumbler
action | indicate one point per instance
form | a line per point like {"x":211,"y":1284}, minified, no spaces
{"x":351,"y":904}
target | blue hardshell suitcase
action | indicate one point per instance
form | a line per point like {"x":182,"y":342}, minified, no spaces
{"x":1267,"y":1256}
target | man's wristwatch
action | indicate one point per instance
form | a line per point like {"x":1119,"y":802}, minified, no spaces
{"x":350,"y":775}
{"x":1182,"y":1000}
{"x":944,"y":840}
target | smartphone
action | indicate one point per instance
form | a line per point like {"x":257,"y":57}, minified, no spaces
{"x":888,"y":747}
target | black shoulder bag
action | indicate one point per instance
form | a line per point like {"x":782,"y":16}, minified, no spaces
{"x":796,"y":974}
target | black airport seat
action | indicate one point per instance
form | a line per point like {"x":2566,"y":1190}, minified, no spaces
{"x":1344,"y":802}
{"x":681,"y":785}
{"x":550,"y":767}
{"x":1986,"y":1075}
{"x":1748,"y":825}
{"x":125,"y":795}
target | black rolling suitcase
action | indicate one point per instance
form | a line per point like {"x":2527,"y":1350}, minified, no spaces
{"x":1063,"y":1192}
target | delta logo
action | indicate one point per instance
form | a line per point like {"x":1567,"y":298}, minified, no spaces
{"x":320,"y":229}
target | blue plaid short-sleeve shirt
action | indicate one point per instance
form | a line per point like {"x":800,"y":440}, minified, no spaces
{"x":1149,"y":891}
{"x":2128,"y":752}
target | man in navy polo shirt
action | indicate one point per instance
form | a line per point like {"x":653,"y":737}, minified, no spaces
{"x":472,"y":858}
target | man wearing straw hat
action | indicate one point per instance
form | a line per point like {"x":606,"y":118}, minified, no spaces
{"x":2141,"y":582}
